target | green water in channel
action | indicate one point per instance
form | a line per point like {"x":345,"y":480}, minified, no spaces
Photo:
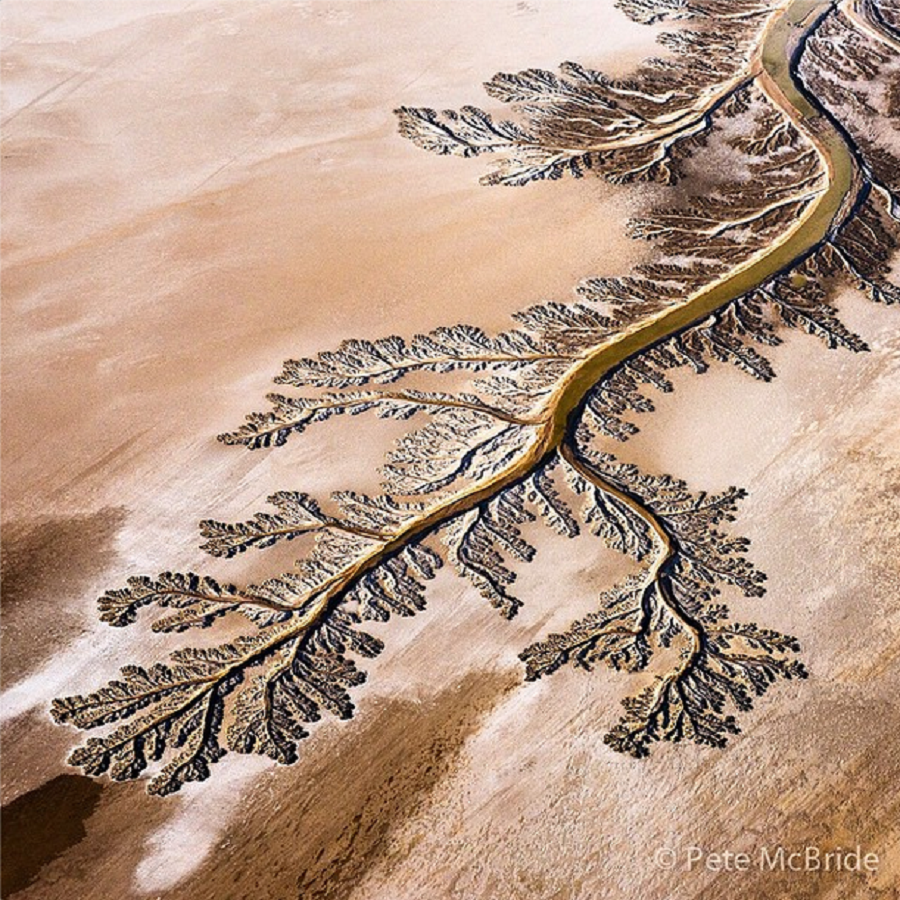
{"x":779,"y":45}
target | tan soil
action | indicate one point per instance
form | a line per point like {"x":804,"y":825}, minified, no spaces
{"x":193,"y":192}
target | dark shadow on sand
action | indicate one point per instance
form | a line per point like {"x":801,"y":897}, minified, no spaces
{"x":41,"y":825}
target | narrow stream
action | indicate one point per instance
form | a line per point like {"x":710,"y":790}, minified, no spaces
{"x":779,"y":56}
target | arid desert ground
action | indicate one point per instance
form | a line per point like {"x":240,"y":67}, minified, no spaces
{"x":193,"y":192}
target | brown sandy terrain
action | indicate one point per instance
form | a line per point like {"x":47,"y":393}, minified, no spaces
{"x":156,"y":323}
{"x":193,"y":192}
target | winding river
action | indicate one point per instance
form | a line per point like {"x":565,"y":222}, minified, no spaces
{"x":775,"y":63}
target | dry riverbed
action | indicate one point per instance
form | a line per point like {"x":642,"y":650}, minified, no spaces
{"x":193,"y":192}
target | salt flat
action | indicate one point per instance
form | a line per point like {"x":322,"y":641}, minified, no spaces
{"x":194,"y":192}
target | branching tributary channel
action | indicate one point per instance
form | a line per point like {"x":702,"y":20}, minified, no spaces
{"x":552,"y":428}
{"x":774,"y":64}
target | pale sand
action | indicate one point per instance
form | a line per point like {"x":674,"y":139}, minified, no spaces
{"x":194,"y":192}
{"x":152,"y":315}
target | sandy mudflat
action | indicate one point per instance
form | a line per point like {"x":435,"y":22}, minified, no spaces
{"x":193,"y":192}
